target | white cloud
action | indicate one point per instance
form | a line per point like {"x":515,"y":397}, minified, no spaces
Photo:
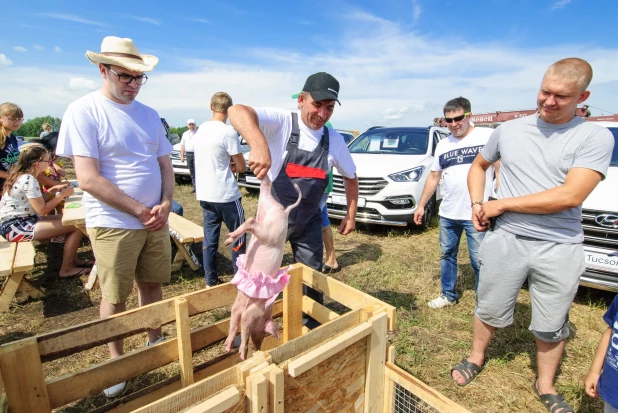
{"x":148,"y":20}
{"x":39,"y":47}
{"x":20,"y":49}
{"x":57,"y":49}
{"x":73,"y":18}
{"x":5,"y":61}
{"x":81,"y":83}
{"x":416,"y":10}
{"x":201,"y":21}
{"x":560,"y":4}
{"x":388,"y":75}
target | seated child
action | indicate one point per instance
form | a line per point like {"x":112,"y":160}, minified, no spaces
{"x":23,"y":207}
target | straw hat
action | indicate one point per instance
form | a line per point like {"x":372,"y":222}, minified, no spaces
{"x":123,"y":53}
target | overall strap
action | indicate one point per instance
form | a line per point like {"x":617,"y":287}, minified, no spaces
{"x":295,"y":135}
{"x":325,"y":140}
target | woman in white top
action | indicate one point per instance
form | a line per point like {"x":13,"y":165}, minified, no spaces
{"x":23,"y":207}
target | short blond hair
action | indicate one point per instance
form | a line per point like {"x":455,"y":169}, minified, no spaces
{"x":221,"y":102}
{"x":46,"y":127}
{"x":572,"y":69}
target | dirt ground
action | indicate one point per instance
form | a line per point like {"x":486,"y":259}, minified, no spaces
{"x":397,"y":265}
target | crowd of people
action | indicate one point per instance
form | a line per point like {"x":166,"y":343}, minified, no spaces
{"x":516,"y":191}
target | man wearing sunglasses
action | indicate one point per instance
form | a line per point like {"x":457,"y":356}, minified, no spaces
{"x":550,"y":162}
{"x":121,"y":158}
{"x":452,"y":161}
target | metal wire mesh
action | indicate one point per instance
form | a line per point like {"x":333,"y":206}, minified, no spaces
{"x":404,"y":401}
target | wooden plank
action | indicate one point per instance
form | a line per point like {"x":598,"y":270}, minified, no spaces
{"x":346,"y":295}
{"x":192,"y":394}
{"x":28,"y":288}
{"x":391,"y":353}
{"x":322,"y":333}
{"x":259,"y":394}
{"x":162,"y":389}
{"x":335,"y":385}
{"x":94,"y":333}
{"x":292,"y":306}
{"x":427,"y":394}
{"x":74,"y":211}
{"x":275,"y":389}
{"x":21,"y":367}
{"x":376,"y":357}
{"x":187,"y":231}
{"x":328,"y":349}
{"x":218,"y":403}
{"x":24,"y":257}
{"x":7,"y":255}
{"x":183,"y":337}
{"x":317,"y":311}
{"x":9,"y":289}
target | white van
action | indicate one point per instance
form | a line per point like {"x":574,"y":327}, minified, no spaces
{"x":600,"y":223}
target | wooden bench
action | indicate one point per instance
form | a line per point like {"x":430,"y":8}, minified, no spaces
{"x":184,"y":233}
{"x":16,"y":258}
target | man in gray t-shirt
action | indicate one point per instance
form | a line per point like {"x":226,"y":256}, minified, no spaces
{"x":550,"y":162}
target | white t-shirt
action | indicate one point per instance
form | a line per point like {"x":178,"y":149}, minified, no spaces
{"x":453,"y":158}
{"x":14,"y":203}
{"x":127,"y":140}
{"x":276,"y":125}
{"x":215,"y":143}
{"x":187,"y":140}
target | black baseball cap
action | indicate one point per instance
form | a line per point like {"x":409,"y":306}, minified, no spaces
{"x":322,"y":86}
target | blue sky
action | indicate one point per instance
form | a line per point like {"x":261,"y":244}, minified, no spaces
{"x":398,"y":61}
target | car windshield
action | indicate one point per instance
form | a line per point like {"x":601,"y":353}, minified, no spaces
{"x":615,"y":153}
{"x":398,"y":141}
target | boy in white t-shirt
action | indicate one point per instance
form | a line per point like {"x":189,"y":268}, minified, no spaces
{"x":217,"y":151}
{"x":452,"y":161}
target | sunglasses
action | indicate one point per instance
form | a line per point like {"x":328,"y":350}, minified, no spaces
{"x":457,"y":118}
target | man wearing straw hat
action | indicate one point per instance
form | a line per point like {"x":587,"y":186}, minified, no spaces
{"x":121,"y":158}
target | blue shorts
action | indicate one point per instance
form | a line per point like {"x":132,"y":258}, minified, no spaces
{"x":324,"y":210}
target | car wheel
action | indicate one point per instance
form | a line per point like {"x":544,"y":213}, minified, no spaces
{"x":430,"y":212}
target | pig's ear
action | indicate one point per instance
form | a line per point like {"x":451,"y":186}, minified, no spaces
{"x":271,"y":328}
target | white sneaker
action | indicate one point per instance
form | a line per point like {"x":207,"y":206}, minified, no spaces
{"x":160,"y":339}
{"x":115,"y":390}
{"x":440,"y":302}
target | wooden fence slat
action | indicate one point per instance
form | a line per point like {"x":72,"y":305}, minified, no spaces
{"x":26,"y":392}
{"x":292,"y":306}
{"x":183,"y":337}
{"x":218,"y":403}
{"x":317,"y":311}
{"x":328,"y":349}
{"x":259,"y":393}
{"x":275,"y":389}
{"x":374,"y":370}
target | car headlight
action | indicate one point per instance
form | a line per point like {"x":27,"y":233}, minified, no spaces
{"x":409,"y":175}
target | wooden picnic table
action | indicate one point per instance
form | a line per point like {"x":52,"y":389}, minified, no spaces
{"x":182,"y":231}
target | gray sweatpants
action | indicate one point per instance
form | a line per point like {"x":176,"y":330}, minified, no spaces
{"x":552,"y":270}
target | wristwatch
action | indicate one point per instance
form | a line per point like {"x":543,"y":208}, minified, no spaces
{"x":476,"y":203}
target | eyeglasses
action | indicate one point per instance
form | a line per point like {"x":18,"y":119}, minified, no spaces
{"x":15,"y":120}
{"x":126,"y":79}
{"x":457,"y":118}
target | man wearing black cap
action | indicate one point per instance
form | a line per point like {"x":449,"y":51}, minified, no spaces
{"x":295,"y":147}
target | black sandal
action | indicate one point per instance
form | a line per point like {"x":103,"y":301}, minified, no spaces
{"x":468,"y":371}
{"x":553,"y":402}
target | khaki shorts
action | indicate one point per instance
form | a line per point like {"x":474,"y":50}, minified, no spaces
{"x":124,"y":255}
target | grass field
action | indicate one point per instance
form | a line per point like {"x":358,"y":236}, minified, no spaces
{"x":396,"y":265}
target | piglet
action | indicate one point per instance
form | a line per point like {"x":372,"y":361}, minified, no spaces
{"x":259,"y":271}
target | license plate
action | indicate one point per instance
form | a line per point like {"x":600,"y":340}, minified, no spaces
{"x":341,"y":200}
{"x":252,"y":180}
{"x":601,"y":262}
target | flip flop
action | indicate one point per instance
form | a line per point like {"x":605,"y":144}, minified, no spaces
{"x":327,"y":269}
{"x":468,"y":371}
{"x":83,"y":271}
{"x":553,"y":402}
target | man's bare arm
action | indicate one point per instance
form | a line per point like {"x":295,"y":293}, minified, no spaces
{"x":476,"y":187}
{"x":431,"y":184}
{"x":245,"y":121}
{"x":161,"y":212}
{"x":348,"y":223}
{"x":90,"y":180}
{"x":579,"y":183}
{"x":238,"y":161}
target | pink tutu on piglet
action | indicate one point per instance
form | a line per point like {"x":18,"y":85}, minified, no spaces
{"x":259,"y":284}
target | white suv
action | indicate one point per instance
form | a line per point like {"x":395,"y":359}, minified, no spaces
{"x":600,"y":223}
{"x":392,"y":165}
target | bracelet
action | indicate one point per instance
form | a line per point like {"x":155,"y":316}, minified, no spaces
{"x":476,"y":203}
